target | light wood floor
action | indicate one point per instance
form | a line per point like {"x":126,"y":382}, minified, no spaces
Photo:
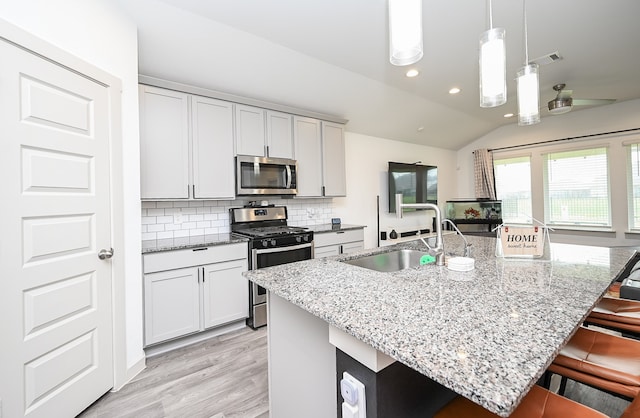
{"x":226,"y":377}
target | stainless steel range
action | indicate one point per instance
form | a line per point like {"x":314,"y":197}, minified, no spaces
{"x":271,"y":242}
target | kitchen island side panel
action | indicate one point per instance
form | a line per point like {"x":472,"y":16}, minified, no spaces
{"x":302,"y":363}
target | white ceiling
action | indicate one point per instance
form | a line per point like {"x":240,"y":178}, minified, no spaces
{"x":331,"y":56}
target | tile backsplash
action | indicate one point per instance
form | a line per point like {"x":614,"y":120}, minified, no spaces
{"x":175,"y":219}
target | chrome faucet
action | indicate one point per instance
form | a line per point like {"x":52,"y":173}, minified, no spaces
{"x":438,"y":250}
{"x":467,"y":246}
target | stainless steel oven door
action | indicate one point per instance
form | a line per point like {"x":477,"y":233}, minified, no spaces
{"x":268,"y":257}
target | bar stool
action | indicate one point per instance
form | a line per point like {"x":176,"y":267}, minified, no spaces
{"x":607,"y":362}
{"x":538,"y":403}
{"x":617,"y":314}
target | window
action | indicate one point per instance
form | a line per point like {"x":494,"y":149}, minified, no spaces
{"x":513,"y":187}
{"x":633,"y":185}
{"x":576,"y":188}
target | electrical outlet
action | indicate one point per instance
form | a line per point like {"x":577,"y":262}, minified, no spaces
{"x":177,"y":218}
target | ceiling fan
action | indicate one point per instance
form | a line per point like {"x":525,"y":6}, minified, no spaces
{"x":563,"y":102}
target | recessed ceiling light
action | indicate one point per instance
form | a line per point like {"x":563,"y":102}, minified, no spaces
{"x":412,"y":72}
{"x":421,"y":128}
{"x":454,"y":90}
{"x":508,"y":115}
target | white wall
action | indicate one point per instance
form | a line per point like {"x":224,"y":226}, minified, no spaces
{"x":618,"y":116}
{"x":366,"y":166}
{"x":99,"y":33}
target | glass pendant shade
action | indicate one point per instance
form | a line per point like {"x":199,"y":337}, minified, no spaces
{"x":528,"y":95}
{"x":405,"y":31}
{"x":493,"y":75}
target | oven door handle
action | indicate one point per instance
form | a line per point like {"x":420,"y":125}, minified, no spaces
{"x":281,"y":249}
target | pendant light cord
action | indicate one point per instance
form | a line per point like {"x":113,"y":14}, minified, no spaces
{"x":490,"y":15}
{"x":526,"y":48}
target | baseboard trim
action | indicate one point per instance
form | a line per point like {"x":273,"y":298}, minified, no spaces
{"x":171,"y":345}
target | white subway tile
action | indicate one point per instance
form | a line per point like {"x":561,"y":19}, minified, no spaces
{"x":188,"y":225}
{"x":155,"y":212}
{"x":203,"y":224}
{"x":148,"y":236}
{"x":155,"y":228}
{"x":165,"y":235}
{"x":181,"y":234}
{"x":189,"y":211}
{"x":147,"y":205}
{"x":196,"y":218}
{"x":196,"y":203}
{"x":164,"y":204}
{"x":146,"y":220}
{"x":210,"y":217}
{"x":194,"y":232}
{"x":203,"y":210}
{"x":181,"y":204}
{"x":172,"y":227}
{"x":165,"y":219}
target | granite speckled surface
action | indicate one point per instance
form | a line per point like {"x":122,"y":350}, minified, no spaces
{"x":169,"y":244}
{"x":487,"y":334}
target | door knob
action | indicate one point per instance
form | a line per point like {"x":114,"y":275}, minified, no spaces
{"x":104,"y":254}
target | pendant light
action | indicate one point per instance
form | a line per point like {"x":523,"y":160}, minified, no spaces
{"x":528,"y":85}
{"x":405,"y":31}
{"x":493,"y":76}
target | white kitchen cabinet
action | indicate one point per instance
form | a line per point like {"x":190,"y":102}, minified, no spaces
{"x":319,"y":150}
{"x":192,"y":290}
{"x":250,"y":131}
{"x":308,"y":145}
{"x":263,"y":133}
{"x":171,"y":304}
{"x":338,"y":242}
{"x":225,"y":298}
{"x":164,"y":143}
{"x":186,"y":146}
{"x":333,"y":160}
{"x":212,"y":143}
{"x":279,"y":135}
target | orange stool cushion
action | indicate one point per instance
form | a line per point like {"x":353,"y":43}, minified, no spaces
{"x":618,"y":310}
{"x":602,"y":360}
{"x":539,"y":403}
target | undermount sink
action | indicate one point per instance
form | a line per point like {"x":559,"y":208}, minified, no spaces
{"x":389,"y":262}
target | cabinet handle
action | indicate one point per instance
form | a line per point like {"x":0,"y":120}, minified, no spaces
{"x":194,"y":191}
{"x":341,"y":249}
{"x":202,"y":274}
{"x":323,"y":191}
{"x":266,"y":150}
{"x":200,"y":249}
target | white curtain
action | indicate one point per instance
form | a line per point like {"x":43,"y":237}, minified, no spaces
{"x":483,"y":173}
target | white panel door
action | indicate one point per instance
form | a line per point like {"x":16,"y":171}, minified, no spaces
{"x":212,"y":138}
{"x":55,"y":294}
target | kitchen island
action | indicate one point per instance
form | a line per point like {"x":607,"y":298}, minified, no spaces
{"x":487,"y":334}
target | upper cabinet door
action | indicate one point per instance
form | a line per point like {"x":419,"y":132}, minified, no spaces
{"x":308,"y":150}
{"x":212,"y":142}
{"x":250,"y":131}
{"x":164,"y":143}
{"x":279,"y":135}
{"x":333,"y":159}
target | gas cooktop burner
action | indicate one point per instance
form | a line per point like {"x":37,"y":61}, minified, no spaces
{"x":270,"y":231}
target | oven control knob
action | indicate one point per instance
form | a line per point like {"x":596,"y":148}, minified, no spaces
{"x":265,"y":242}
{"x":306,"y":238}
{"x":298,"y":239}
{"x":273,"y":242}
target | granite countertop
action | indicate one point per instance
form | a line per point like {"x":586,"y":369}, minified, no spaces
{"x":169,"y":244}
{"x":487,"y":334}
{"x":319,"y":229}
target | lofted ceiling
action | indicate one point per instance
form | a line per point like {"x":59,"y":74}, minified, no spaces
{"x":331,"y":56}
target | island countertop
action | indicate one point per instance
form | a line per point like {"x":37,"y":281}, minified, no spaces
{"x":487,"y":334}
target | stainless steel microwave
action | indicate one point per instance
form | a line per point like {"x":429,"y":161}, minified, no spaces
{"x":265,"y":176}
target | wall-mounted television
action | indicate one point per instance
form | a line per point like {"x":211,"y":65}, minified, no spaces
{"x":418,"y":183}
